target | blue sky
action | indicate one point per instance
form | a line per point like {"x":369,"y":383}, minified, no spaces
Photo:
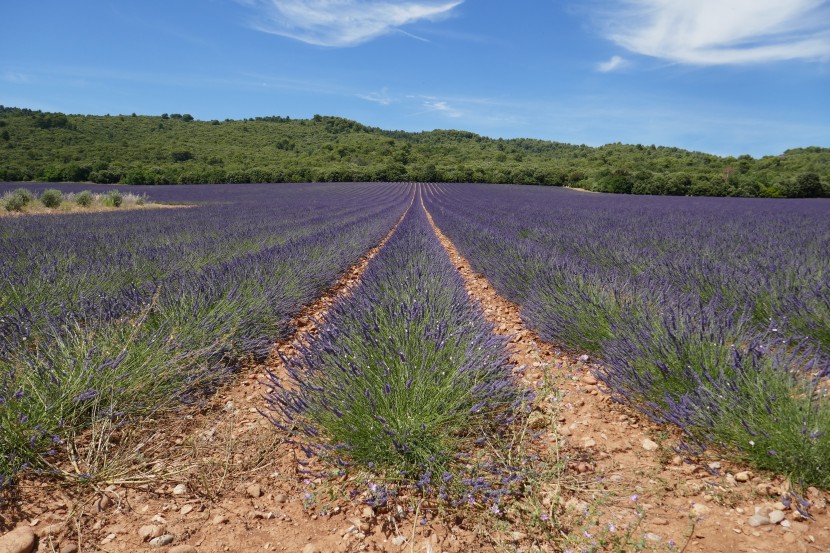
{"x":721,"y":76}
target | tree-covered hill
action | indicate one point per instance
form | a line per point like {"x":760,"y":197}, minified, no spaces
{"x":176,"y":148}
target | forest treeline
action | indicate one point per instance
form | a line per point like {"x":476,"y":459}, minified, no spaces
{"x":179,"y":149}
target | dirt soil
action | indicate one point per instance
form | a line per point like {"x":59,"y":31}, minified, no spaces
{"x":222,"y":478}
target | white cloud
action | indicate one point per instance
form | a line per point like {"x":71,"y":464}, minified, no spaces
{"x":343,"y":22}
{"x":432,"y":105}
{"x":614,"y":63}
{"x":718,"y":32}
{"x":443,"y":107}
{"x":383,"y":98}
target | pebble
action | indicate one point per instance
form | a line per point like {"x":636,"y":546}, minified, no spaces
{"x":398,"y":540}
{"x":763,"y":510}
{"x":69,"y":548}
{"x":743,"y":476}
{"x":699,"y":509}
{"x":161,"y":541}
{"x":186,"y":509}
{"x":776,"y":516}
{"x":254,"y":490}
{"x":367,"y":512}
{"x":19,"y":540}
{"x":149,"y":531}
{"x":659,"y":521}
{"x":180,"y":489}
{"x":219,"y":519}
{"x":652,"y":537}
{"x":584,"y":358}
{"x":588,"y":442}
{"x":183,"y":549}
{"x":758,"y":520}
{"x":649,"y":445}
{"x":281,"y":498}
{"x":589,"y":379}
{"x":50,"y":530}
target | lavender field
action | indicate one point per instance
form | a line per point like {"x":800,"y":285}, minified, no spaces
{"x":117,"y":315}
{"x":712,"y":315}
{"x":709,"y":314}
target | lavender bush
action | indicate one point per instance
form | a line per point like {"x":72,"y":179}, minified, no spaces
{"x":126,"y":314}
{"x":405,"y":373}
{"x":679,"y":296}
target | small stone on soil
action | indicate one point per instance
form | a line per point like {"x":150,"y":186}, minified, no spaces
{"x":758,"y":520}
{"x":19,"y":540}
{"x":649,"y":445}
{"x":149,"y":531}
{"x":700,"y":509}
{"x":776,"y":516}
{"x":161,"y":541}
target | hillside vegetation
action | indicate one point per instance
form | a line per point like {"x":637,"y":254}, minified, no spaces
{"x":176,"y":148}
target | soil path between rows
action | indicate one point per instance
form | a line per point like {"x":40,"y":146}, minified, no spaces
{"x":222,"y":478}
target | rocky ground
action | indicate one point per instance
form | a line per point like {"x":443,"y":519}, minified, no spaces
{"x":222,"y":478}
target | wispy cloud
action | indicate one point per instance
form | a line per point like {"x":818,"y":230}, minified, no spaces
{"x":616,"y":62}
{"x":442,"y":107}
{"x":341,"y":23}
{"x":719,"y":32}
{"x":381,"y":97}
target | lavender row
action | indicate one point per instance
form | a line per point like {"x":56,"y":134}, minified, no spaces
{"x":405,"y":373}
{"x":126,"y":314}
{"x":711,"y":314}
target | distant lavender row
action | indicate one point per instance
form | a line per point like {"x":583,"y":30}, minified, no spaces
{"x":689,"y":301}
{"x":405,"y":374}
{"x":119,"y":314}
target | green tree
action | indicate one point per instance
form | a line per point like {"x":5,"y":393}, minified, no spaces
{"x":805,"y":185}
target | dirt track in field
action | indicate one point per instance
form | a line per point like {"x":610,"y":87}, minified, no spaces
{"x":224,"y":479}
